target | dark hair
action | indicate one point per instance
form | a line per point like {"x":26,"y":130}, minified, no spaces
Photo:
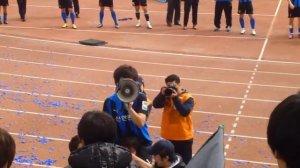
{"x":125,"y":71}
{"x":97,"y":126}
{"x":74,"y":143}
{"x":284,"y":131}
{"x":172,"y":78}
{"x":7,"y":148}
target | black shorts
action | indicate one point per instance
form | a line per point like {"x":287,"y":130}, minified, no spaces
{"x":293,"y":13}
{"x":3,"y":2}
{"x":65,"y":4}
{"x":108,"y":3}
{"x":245,"y":8}
{"x":139,"y":2}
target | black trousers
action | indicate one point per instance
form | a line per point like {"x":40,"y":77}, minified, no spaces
{"x":22,"y":8}
{"x":76,"y":6}
{"x":227,"y":7}
{"x":187,"y":8}
{"x":173,"y":5}
{"x":184,"y":149}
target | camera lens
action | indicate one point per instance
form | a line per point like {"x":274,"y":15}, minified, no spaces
{"x":168,"y":92}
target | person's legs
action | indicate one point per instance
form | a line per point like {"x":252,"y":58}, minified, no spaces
{"x":114,"y":16}
{"x":147,"y":17}
{"x":72,"y":16}
{"x":228,"y":15}
{"x":187,"y":8}
{"x":184,"y":149}
{"x":299,"y":27}
{"x":242,"y":23}
{"x":137,"y":15}
{"x":101,"y":16}
{"x":252,"y":23}
{"x":76,"y":8}
{"x":170,"y":12}
{"x":195,"y":13}
{"x":177,"y":5}
{"x":291,"y":27}
{"x":218,"y":15}
{"x":5,"y":14}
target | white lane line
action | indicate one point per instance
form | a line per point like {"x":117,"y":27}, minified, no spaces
{"x":122,"y":60}
{"x":143,"y":62}
{"x":155,"y":52}
{"x":100,"y":101}
{"x":131,"y":10}
{"x":107,"y":85}
{"x":251,"y":161}
{"x":262,"y":52}
{"x":51,"y":95}
{"x":34,"y":165}
{"x":134,"y":50}
{"x":133,"y":33}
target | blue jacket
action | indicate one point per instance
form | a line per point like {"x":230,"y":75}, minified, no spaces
{"x":126,"y":128}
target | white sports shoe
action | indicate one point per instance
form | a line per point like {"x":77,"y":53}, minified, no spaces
{"x":243,"y":31}
{"x":149,"y":25}
{"x":138,"y":23}
{"x":253,"y":33}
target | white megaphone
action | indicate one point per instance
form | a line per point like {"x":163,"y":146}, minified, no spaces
{"x":127,"y":90}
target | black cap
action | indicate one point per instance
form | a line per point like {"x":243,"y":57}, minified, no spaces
{"x":140,"y":80}
{"x":162,"y":147}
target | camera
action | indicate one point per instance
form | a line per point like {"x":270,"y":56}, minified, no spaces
{"x":170,"y":90}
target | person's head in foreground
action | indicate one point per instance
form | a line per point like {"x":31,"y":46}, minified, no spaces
{"x":7,"y":149}
{"x":97,"y":131}
{"x":96,"y":126}
{"x":284,"y":132}
{"x":164,"y":155}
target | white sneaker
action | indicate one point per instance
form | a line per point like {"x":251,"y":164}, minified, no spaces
{"x":253,"y":33}
{"x":243,"y":31}
{"x":100,"y":25}
{"x":149,"y":25}
{"x":138,"y":23}
{"x":228,"y":28}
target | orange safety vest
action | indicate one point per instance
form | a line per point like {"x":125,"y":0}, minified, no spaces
{"x":174,"y":126}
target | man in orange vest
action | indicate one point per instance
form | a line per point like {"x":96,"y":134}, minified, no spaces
{"x":176,"y":124}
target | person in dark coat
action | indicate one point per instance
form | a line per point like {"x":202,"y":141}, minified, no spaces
{"x":99,"y":149}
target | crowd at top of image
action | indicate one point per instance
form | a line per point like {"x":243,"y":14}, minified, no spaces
{"x":173,"y":13}
{"x":118,"y":136}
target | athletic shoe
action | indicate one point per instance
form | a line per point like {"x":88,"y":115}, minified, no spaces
{"x":177,"y":24}
{"x":77,"y":15}
{"x":291,"y":36}
{"x":195,"y":27}
{"x":117,"y":26}
{"x":74,"y":26}
{"x":228,"y":29}
{"x":100,"y":25}
{"x":216,"y":29}
{"x":149,"y":25}
{"x":253,"y":33}
{"x":184,"y":28}
{"x":138,"y":23}
{"x":243,"y":31}
{"x":64,"y":25}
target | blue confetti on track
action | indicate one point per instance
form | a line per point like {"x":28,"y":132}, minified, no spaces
{"x":33,"y":159}
{"x":43,"y":140}
{"x":47,"y":162}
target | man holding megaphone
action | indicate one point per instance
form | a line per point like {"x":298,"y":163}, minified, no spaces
{"x":128,"y":106}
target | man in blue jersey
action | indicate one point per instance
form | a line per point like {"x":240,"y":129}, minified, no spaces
{"x":219,"y":7}
{"x":66,"y":5}
{"x":130,"y":117}
{"x":246,"y":7}
{"x":294,"y":12}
